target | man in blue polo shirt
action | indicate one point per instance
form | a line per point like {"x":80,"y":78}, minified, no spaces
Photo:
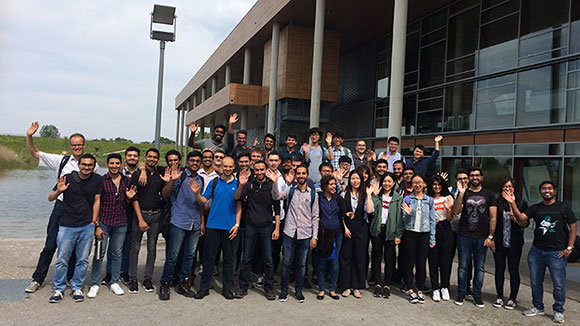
{"x":186,"y":225}
{"x":222,"y":227}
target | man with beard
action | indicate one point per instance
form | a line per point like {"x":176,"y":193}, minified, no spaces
{"x":478,"y":209}
{"x":391,"y":155}
{"x":407,"y":187}
{"x":381,"y":168}
{"x":554,"y":238}
{"x":398,"y":167}
{"x":216,"y":141}
{"x":241,"y":146}
{"x":269,"y":143}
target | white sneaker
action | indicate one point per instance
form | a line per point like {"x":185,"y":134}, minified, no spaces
{"x":115,"y":288}
{"x":93,"y":291}
{"x":436,"y":295}
{"x":445,"y":294}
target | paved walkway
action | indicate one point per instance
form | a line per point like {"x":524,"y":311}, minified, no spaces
{"x":18,"y":259}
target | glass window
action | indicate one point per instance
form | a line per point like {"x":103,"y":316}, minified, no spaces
{"x":463,"y":29}
{"x":432,"y":104}
{"x":488,"y":150}
{"x":459,"y":108}
{"x":451,"y":165}
{"x":411,"y":80}
{"x":432,"y":64}
{"x":532,"y":172}
{"x":457,"y":150}
{"x":545,"y":46}
{"x":541,"y":95}
{"x":433,"y":37}
{"x":434,"y":22}
{"x":494,"y":170}
{"x":538,"y":149}
{"x":381,"y":119}
{"x":429,"y":122}
{"x":573,"y":106}
{"x":572,"y":183}
{"x":495,"y":102}
{"x":498,"y":11}
{"x":575,"y":27}
{"x":541,"y":14}
{"x":412,"y":52}
{"x":573,"y":149}
{"x":498,"y":45}
{"x":409,"y":110}
{"x":461,"y":65}
{"x":462,"y":5}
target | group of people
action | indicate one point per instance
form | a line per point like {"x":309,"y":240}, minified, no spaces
{"x":326,"y":205}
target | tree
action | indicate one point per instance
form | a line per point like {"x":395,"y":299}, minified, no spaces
{"x":49,"y":131}
{"x":164,"y":140}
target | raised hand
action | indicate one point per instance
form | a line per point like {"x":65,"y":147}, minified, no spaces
{"x":33,"y":128}
{"x":448,"y":203}
{"x":438,"y":138}
{"x":256,"y":142}
{"x":193,"y":127}
{"x":371,"y":155}
{"x":194,"y":186}
{"x":175,"y":172}
{"x":406,"y":208}
{"x":167,"y":175}
{"x":350,"y":215}
{"x":337,"y":175}
{"x":508,"y":196}
{"x":460,"y":187}
{"x":444,"y":175}
{"x":373,"y":188}
{"x":289,"y":177}
{"x":305,"y":148}
{"x":244,"y":176}
{"x":233,"y":118}
{"x":272,"y":175}
{"x":131,"y":192}
{"x":61,"y":185}
{"x":328,"y":138}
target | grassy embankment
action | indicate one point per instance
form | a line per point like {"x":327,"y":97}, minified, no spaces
{"x":14,"y":154}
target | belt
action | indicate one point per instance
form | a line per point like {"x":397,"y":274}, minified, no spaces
{"x":150,"y":211}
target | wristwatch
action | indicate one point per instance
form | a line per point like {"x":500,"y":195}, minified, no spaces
{"x":490,"y":237}
{"x":570,"y":248}
{"x":96,"y":224}
{"x":237,"y":225}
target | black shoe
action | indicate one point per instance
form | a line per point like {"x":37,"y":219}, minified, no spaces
{"x":148,"y":286}
{"x":320,"y":296}
{"x":307,"y":284}
{"x":164,"y":291}
{"x":106,"y":280}
{"x":202,"y":293}
{"x":335,"y":296}
{"x":386,"y":292}
{"x":240,"y":294}
{"x":460,"y":300}
{"x":478,"y":302}
{"x":184,"y":290}
{"x":378,"y":292}
{"x":125,"y":278}
{"x":269,"y":295}
{"x":283,"y":297}
{"x":133,"y":287}
{"x":299,"y":296}
{"x":228,"y":294}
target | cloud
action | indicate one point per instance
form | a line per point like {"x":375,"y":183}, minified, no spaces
{"x":90,"y":66}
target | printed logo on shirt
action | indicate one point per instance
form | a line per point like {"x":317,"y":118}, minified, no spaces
{"x":439,"y":206}
{"x":547,"y":225}
{"x":386,"y":204}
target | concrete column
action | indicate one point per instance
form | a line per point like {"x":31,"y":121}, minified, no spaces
{"x":228,"y":77}
{"x":244,"y":119}
{"x":203,"y":98}
{"x":212,"y":122}
{"x":247,"y":65}
{"x":193,"y":105}
{"x":183,"y":127}
{"x":317,"y":63}
{"x":271,"y":120}
{"x":177,"y":128}
{"x":398,"y":67}
{"x":213,"y":85}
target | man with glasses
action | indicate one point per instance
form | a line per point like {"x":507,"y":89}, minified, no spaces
{"x":187,"y":225}
{"x":478,"y":208}
{"x":554,"y":238}
{"x":61,"y":165}
{"x":241,"y":146}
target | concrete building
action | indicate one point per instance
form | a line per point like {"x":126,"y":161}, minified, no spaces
{"x":500,"y":79}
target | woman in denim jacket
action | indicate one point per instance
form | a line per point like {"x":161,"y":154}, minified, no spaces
{"x":419,"y":235}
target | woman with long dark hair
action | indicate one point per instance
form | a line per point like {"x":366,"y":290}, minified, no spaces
{"x":419,"y":235}
{"x":386,"y":232}
{"x":441,"y":256}
{"x":353,"y":253}
{"x":366,"y":175}
{"x":509,"y":240}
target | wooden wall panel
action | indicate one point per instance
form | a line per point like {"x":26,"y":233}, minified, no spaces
{"x":540,"y":136}
{"x":572,"y":135}
{"x":408,"y":142}
{"x":498,"y":138}
{"x":457,"y":140}
{"x":245,"y":94}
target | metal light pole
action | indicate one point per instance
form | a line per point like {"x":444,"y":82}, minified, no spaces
{"x":163,"y":15}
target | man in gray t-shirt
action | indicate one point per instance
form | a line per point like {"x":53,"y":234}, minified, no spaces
{"x":216,"y":141}
{"x":314,"y":154}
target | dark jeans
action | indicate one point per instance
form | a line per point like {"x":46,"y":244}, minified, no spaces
{"x":291,"y":247}
{"x":470,"y":249}
{"x":126,"y":254}
{"x":323,"y":264}
{"x":214,"y":239}
{"x":353,"y":258}
{"x":416,"y":252}
{"x":238,"y":248}
{"x":441,"y":256}
{"x":254,"y":235}
{"x":50,"y":247}
{"x":513,"y":256}
{"x":382,"y":249}
{"x":184,"y":241}
{"x":538,"y":260}
{"x":154,"y":222}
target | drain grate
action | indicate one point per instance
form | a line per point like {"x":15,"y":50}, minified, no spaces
{"x":13,"y":289}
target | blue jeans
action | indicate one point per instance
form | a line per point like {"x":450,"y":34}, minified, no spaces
{"x":323,"y":263}
{"x":78,"y":240}
{"x":114,"y":238}
{"x":289,"y":245}
{"x":180,"y":238}
{"x":470,"y":248}
{"x":538,"y":260}
{"x":264,"y":235}
{"x":126,"y":246}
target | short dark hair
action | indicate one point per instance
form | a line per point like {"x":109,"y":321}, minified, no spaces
{"x":315,"y":130}
{"x":461,"y":171}
{"x":89,"y":156}
{"x":133,"y":149}
{"x":112,"y":156}
{"x":398,"y":162}
{"x":547,"y":182}
{"x":382,"y":160}
{"x":323,"y":164}
{"x":407,"y":168}
{"x":257,"y":150}
{"x":338,"y":134}
{"x":325,"y":181}
{"x":261,"y":162}
{"x":207,"y":150}
{"x":152,"y":149}
{"x":297,"y":158}
{"x":275,"y":153}
{"x":293,"y":136}
{"x":219,"y":126}
{"x":172,"y":152}
{"x":393,"y":138}
{"x":473,"y":169}
{"x":194,"y":154}
{"x":243,"y":132}
{"x":303,"y":166}
{"x":76,"y":134}
{"x":419,"y":146}
{"x":344,"y":159}
{"x":244,"y":154}
{"x":268,"y":135}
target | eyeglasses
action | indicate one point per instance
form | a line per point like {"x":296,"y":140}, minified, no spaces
{"x":464,"y":178}
{"x":547,"y":188}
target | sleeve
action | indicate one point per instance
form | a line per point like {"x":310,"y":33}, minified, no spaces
{"x":208,"y":189}
{"x":276,"y":206}
{"x":282,"y":191}
{"x":99,"y":185}
{"x":373,"y":211}
{"x":315,"y":217}
{"x":176,"y":185}
{"x":134,"y":178}
{"x":531,"y":212}
{"x":230,"y":145}
{"x":246,"y":189}
{"x":432,"y":224}
{"x":491,"y":199}
{"x":377,"y":202}
{"x":51,"y":161}
{"x":341,"y":208}
{"x":433,"y":158}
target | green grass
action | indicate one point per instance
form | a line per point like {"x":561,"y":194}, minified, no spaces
{"x":17,"y":156}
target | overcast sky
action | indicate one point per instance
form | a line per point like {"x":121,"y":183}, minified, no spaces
{"x":89,"y":66}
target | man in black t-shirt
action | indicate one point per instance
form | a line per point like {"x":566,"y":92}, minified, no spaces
{"x":81,"y":203}
{"x":554,"y":237}
{"x":478,"y":209}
